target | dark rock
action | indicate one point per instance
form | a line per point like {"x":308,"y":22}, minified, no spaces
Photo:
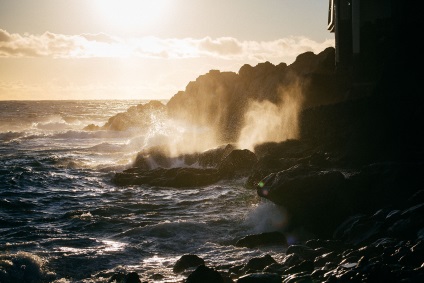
{"x":187,"y":261}
{"x":359,"y":230}
{"x":298,"y":278}
{"x":259,"y":263}
{"x":263,"y":239}
{"x":310,"y":197}
{"x":214,"y":157}
{"x":333,"y":245}
{"x":275,"y":268}
{"x":304,"y":252}
{"x":237,"y":162}
{"x":304,"y":266}
{"x":172,"y":177}
{"x":260,"y":278}
{"x":322,"y":260}
{"x":291,"y":259}
{"x":204,"y":274}
{"x":157,"y":276}
{"x":132,"y":277}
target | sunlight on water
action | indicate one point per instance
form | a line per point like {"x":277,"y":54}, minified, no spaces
{"x":113,"y":246}
{"x":58,"y":202}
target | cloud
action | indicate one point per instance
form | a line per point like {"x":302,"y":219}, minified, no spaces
{"x":102,"y":45}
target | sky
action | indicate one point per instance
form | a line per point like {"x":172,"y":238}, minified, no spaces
{"x":140,"y":49}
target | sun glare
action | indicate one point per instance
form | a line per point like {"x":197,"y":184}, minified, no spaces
{"x":131,"y":14}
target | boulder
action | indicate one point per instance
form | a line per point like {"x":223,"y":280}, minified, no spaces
{"x":309,"y":195}
{"x":263,"y":239}
{"x":187,"y":261}
{"x":204,"y":274}
{"x":238,"y":162}
{"x":260,"y":278}
{"x":259,"y":263}
{"x":167,"y":177}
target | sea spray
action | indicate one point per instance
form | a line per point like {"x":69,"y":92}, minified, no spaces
{"x":267,"y":217}
{"x":269,"y":122}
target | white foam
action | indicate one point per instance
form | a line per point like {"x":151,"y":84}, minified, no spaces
{"x":266,"y":217}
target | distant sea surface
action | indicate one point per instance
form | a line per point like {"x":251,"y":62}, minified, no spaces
{"x":62,"y":220}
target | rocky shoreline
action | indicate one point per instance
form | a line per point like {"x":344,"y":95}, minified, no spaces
{"x":384,"y":246}
{"x":351,"y":181}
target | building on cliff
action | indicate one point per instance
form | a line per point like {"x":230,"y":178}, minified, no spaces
{"x":367,"y":33}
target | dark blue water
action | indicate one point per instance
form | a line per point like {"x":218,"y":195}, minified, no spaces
{"x":64,"y":221}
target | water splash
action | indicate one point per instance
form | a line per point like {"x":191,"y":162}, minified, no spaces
{"x":269,"y":122}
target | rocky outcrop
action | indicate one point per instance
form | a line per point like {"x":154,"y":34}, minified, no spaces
{"x":139,"y":117}
{"x":187,"y":261}
{"x":318,"y":199}
{"x":156,"y":168}
{"x":219,"y":100}
{"x":262,"y":239}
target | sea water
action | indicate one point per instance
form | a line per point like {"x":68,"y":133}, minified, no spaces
{"x":62,"y":220}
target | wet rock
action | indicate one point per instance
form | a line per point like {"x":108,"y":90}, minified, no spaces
{"x":291,"y":259}
{"x":275,"y":268}
{"x":317,"y":243}
{"x":309,"y":196}
{"x":359,"y":230}
{"x":259,"y":263}
{"x":187,"y":261}
{"x":141,"y":117}
{"x":322,"y":260}
{"x":146,"y":171}
{"x":204,"y":274}
{"x":260,"y":278}
{"x":157,"y":276}
{"x":304,"y":266}
{"x":263,"y":239}
{"x":303,"y":252}
{"x":298,"y":278}
{"x":172,"y":177}
{"x":132,"y":277}
{"x":214,"y":157}
{"x":92,"y":127}
{"x":238,"y":162}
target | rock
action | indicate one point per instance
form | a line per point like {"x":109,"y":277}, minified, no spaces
{"x":92,"y":127}
{"x":259,"y":263}
{"x":214,"y":157}
{"x":132,"y":277}
{"x":304,"y":252}
{"x":238,"y":162}
{"x":187,"y":261}
{"x":141,"y":116}
{"x":260,"y":278}
{"x":310,"y":197}
{"x":359,"y":230}
{"x":204,"y":274}
{"x":269,"y":238}
{"x":291,"y":259}
{"x":171,"y":177}
{"x":304,"y":266}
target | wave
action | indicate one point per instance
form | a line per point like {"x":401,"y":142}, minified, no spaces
{"x":267,"y":217}
{"x":10,"y":136}
{"x":24,"y":267}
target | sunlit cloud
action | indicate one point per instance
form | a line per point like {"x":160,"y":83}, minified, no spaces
{"x":106,"y":46}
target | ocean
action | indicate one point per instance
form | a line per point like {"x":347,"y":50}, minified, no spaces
{"x":63,"y":220}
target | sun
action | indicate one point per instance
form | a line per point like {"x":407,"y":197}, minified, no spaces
{"x":131,"y":14}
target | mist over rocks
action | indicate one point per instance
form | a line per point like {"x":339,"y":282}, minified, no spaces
{"x":220,"y":100}
{"x":140,"y":117}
